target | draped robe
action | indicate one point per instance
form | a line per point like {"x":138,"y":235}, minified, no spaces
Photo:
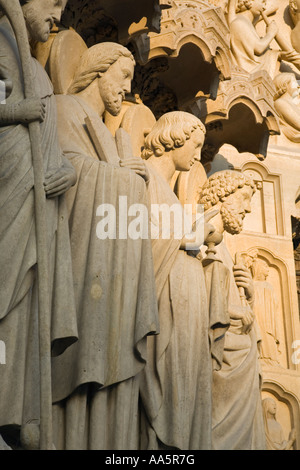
{"x":266,"y":309}
{"x":237,"y":408}
{"x":243,"y":36}
{"x":176,"y":387}
{"x":19,"y":387}
{"x":96,"y":382}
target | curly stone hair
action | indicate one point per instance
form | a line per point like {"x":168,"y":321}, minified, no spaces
{"x":221,"y":184}
{"x":243,"y":5}
{"x":171,"y":131}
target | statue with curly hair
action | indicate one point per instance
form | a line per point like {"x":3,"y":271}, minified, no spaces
{"x":176,"y":382}
{"x":171,"y":131}
{"x":250,"y":51}
{"x":217,"y":190}
{"x":237,"y":422}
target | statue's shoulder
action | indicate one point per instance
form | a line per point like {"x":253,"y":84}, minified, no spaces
{"x":242,"y":26}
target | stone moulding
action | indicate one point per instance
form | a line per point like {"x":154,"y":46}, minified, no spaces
{"x":186,"y":22}
{"x":202,"y":26}
{"x":245,"y":101}
{"x":255,"y":91}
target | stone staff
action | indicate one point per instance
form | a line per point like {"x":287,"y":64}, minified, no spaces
{"x":239,"y":261}
{"x":14,"y":13}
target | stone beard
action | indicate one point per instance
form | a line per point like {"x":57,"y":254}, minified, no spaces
{"x":111,"y":97}
{"x":232,"y":221}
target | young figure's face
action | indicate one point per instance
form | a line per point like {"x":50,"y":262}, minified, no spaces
{"x":258,"y":6}
{"x":184,"y":157}
{"x":115,"y":83}
{"x":40,"y":16}
{"x":272,"y":407}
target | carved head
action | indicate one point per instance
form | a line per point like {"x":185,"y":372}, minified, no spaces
{"x":40,"y":16}
{"x":286,"y":83}
{"x":178,"y":133}
{"x":232,"y":191}
{"x":255,"y":5}
{"x":269,"y":407}
{"x":260,"y":270}
{"x":113,"y":66}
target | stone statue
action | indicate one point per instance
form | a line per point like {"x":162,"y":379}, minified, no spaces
{"x":287,"y":105}
{"x":295,"y":14}
{"x":237,"y":415}
{"x":265,"y":310}
{"x":19,"y":291}
{"x":250,"y":51}
{"x":175,"y":389}
{"x":274,"y":432}
{"x":96,"y":382}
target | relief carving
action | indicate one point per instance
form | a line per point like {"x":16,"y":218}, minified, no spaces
{"x":274,"y":432}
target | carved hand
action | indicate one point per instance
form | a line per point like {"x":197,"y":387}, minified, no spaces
{"x":272,"y":28}
{"x":138,"y":165}
{"x":200,"y":232}
{"x":243,"y":279}
{"x":29,"y":110}
{"x":58,"y":181}
{"x":245,"y":314}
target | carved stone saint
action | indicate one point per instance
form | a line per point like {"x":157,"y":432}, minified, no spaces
{"x":237,"y":414}
{"x":96,"y":383}
{"x":250,"y":51}
{"x":295,"y":14}
{"x":274,"y":432}
{"x":20,"y":376}
{"x":175,"y":390}
{"x":266,"y":311}
{"x":287,"y":105}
